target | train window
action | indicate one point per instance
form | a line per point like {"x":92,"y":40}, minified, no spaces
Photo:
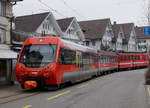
{"x":144,"y":57}
{"x":125,"y":58}
{"x":138,"y":57}
{"x":93,"y":59}
{"x":128,"y":57}
{"x":105,"y":59}
{"x":66,"y":57}
{"x":135,"y":58}
{"x":121,"y":58}
{"x":101,"y":59}
{"x":86,"y":58}
{"x":112,"y":59}
{"x":116,"y":59}
{"x":36,"y":56}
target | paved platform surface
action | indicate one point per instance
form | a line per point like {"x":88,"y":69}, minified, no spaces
{"x":14,"y":92}
{"x":118,"y":90}
{"x":9,"y":90}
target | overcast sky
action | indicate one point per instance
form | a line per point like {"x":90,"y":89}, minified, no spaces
{"x":122,"y":11}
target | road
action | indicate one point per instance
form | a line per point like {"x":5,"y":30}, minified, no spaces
{"x":124,"y":89}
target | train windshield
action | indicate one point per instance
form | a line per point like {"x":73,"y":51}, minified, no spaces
{"x":36,"y":56}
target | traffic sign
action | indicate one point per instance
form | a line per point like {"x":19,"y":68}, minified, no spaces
{"x":147,"y":31}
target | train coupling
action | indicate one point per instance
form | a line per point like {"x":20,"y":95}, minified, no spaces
{"x":29,"y":85}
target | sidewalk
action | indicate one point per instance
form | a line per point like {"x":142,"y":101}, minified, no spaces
{"x":10,"y":93}
{"x":10,"y":90}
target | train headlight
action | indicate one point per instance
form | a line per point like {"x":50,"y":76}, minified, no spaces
{"x":46,"y":74}
{"x":50,"y":66}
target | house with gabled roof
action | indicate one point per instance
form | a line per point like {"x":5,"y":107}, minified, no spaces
{"x":42,"y":24}
{"x":143,"y":40}
{"x":7,"y":55}
{"x":119,"y":37}
{"x":130,"y":37}
{"x":71,"y":29}
{"x":45,"y":24}
{"x":98,"y":33}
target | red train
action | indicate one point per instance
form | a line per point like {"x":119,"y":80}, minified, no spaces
{"x":51,"y":61}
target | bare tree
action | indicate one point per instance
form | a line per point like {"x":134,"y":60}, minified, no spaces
{"x":147,"y":11}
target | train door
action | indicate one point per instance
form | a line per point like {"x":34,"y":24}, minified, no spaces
{"x":99,"y":65}
{"x":80,"y":65}
{"x":132,"y":61}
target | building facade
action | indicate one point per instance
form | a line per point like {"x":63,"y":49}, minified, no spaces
{"x":98,"y":33}
{"x":71,"y":30}
{"x":143,"y":40}
{"x":6,"y":54}
{"x":45,"y":24}
{"x":118,"y":37}
{"x":130,"y":40}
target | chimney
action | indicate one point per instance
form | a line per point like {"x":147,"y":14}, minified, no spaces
{"x":115,"y":22}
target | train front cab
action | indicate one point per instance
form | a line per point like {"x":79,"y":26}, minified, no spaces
{"x":37,"y":61}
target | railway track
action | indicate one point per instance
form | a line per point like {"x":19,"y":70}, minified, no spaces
{"x":17,"y":96}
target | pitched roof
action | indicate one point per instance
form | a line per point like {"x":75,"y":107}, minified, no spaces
{"x":94,"y":29}
{"x":116,"y":29}
{"x":127,"y":28}
{"x":140,"y":33}
{"x":64,"y":23}
{"x":29,"y":23}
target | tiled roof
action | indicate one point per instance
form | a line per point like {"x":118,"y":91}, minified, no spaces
{"x":29,"y":23}
{"x":64,"y":23}
{"x":116,"y":29}
{"x":127,"y":28}
{"x":140,"y":33}
{"x":94,"y":29}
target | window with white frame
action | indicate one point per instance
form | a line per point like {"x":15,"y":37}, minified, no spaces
{"x":2,"y":8}
{"x":93,"y":42}
{"x":2,"y":35}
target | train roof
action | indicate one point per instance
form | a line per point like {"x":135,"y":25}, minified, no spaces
{"x":107,"y":53}
{"x":76,"y":46}
{"x":55,"y":40}
{"x":132,"y":52}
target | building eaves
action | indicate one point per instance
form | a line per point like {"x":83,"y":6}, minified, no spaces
{"x":127,"y":28}
{"x":94,"y":29}
{"x":64,"y":23}
{"x":30,"y":23}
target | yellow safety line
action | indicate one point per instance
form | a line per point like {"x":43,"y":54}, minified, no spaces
{"x":76,"y":57}
{"x":83,"y":85}
{"x":28,"y":106}
{"x":148,"y":89}
{"x":95,"y":80}
{"x":53,"y":97}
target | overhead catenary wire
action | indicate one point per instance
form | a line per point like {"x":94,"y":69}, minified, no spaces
{"x":51,"y":9}
{"x":66,"y":4}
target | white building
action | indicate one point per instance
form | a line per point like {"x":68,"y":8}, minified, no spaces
{"x":45,"y":24}
{"x":6,"y":54}
{"x":130,"y":41}
{"x":118,"y":37}
{"x":98,"y":33}
{"x":143,"y":40}
{"x":71,"y":30}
